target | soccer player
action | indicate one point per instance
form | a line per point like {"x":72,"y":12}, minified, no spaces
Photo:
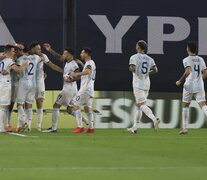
{"x":35,"y":48}
{"x":195,"y":72}
{"x":69,"y":87}
{"x":142,"y":66}
{"x":84,"y":96}
{"x":7,"y":65}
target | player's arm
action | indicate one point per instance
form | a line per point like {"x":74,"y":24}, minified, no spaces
{"x":78,"y":61}
{"x":70,"y":79}
{"x":132,"y":68}
{"x":204,"y":74}
{"x":56,"y":55}
{"x":54,"y":67}
{"x":154,"y":70}
{"x":184,"y":76}
{"x":18,"y":68}
{"x":87,"y":71}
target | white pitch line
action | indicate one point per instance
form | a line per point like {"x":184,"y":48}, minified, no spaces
{"x":22,"y":135}
{"x":101,"y":168}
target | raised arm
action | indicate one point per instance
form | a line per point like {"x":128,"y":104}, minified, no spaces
{"x":57,"y":56}
{"x":54,"y":67}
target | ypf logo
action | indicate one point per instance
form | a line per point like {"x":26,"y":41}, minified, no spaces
{"x":155,"y":32}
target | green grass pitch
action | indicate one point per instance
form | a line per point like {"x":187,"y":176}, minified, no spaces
{"x":111,"y":154}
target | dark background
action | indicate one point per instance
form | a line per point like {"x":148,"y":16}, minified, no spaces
{"x":66,"y":23}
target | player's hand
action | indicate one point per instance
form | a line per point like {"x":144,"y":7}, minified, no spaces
{"x":5,"y":72}
{"x":20,"y":46}
{"x":178,"y":83}
{"x":47,"y":46}
{"x":25,"y":64}
{"x":42,"y":57}
{"x":45,"y":75}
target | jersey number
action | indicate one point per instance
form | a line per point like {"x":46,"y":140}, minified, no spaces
{"x":197,"y":68}
{"x":144,"y":68}
{"x":1,"y":67}
{"x":30,"y":71}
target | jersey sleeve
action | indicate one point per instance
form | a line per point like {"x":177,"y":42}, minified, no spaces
{"x":46,"y":59}
{"x":186,"y":63}
{"x":75,"y":67}
{"x":132,"y":61}
{"x":203,"y":64}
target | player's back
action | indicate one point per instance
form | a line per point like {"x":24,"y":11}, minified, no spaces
{"x":143,"y":64}
{"x":194,"y":82}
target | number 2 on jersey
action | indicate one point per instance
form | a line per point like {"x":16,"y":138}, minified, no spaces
{"x":1,"y":67}
{"x":197,"y":68}
{"x":31,"y":65}
{"x":144,"y":68}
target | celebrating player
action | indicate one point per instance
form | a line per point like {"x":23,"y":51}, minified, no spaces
{"x":141,"y":66}
{"x":6,"y":65}
{"x":84,"y":97}
{"x":35,"y":48}
{"x":195,"y":72}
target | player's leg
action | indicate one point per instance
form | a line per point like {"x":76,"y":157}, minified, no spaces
{"x":187,"y":97}
{"x":90,"y":115}
{"x":29,"y":114}
{"x":55,"y":116}
{"x":141,"y":103}
{"x":9,"y":113}
{"x":40,"y":96}
{"x":3,"y":114}
{"x":78,"y":101}
{"x":200,"y":98}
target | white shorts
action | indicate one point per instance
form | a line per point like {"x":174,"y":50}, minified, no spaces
{"x":14,"y":89}
{"x":199,"y":97}
{"x":5,"y":95}
{"x":140,"y":95}
{"x":25,"y":95}
{"x":65,"y":97}
{"x":40,"y":89}
{"x":82,"y":99}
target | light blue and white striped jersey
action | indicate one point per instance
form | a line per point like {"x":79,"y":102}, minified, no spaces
{"x":28,"y":76}
{"x":6,"y":64}
{"x":87,"y":81}
{"x":144,"y":64}
{"x":194,"y":82}
{"x":70,"y":67}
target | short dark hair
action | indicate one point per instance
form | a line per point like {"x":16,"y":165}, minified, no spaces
{"x":70,"y":50}
{"x":8,"y":47}
{"x":26,"y":48}
{"x":192,"y":46}
{"x":33,"y":44}
{"x":142,"y":44}
{"x":87,"y":50}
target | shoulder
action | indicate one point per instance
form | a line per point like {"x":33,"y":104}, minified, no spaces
{"x":134,"y":56}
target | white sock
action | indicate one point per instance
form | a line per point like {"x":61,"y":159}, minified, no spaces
{"x":21,"y":116}
{"x":84,"y":119}
{"x":55,"y":118}
{"x":78,"y":117}
{"x":39,"y":117}
{"x":138,"y":116}
{"x":90,"y":120}
{"x":204,"y":108}
{"x":148,"y":112}
{"x":185,"y":118}
{"x":9,"y":117}
{"x":29,"y":113}
{"x":3,"y":120}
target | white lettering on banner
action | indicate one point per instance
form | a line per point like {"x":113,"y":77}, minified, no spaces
{"x":124,"y":110}
{"x":156,"y":36}
{"x":113,"y":36}
{"x":6,"y":37}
